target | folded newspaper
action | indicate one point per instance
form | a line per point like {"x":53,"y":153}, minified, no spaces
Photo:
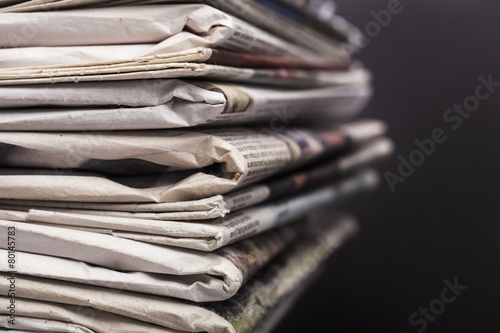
{"x":161,"y":166}
{"x":139,"y":70}
{"x":198,"y":55}
{"x":161,"y":104}
{"x":219,"y":205}
{"x":58,"y":252}
{"x":158,"y":41}
{"x":319,"y":15}
{"x":202,"y":235}
{"x":94,"y":35}
{"x":43,"y":304}
{"x":341,"y":34}
{"x":118,"y":219}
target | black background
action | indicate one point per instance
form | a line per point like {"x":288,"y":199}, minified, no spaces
{"x":443,"y":222}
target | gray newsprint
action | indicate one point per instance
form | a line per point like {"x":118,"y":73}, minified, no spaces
{"x":164,"y":104}
{"x":96,"y":35}
{"x":49,"y":305}
{"x":201,"y":235}
{"x":216,"y":206}
{"x":160,"y":166}
{"x":346,"y":36}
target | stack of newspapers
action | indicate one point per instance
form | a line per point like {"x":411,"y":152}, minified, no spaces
{"x":163,"y":164}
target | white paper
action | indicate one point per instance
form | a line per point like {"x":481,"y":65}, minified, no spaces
{"x":184,"y":165}
{"x":162,"y":104}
